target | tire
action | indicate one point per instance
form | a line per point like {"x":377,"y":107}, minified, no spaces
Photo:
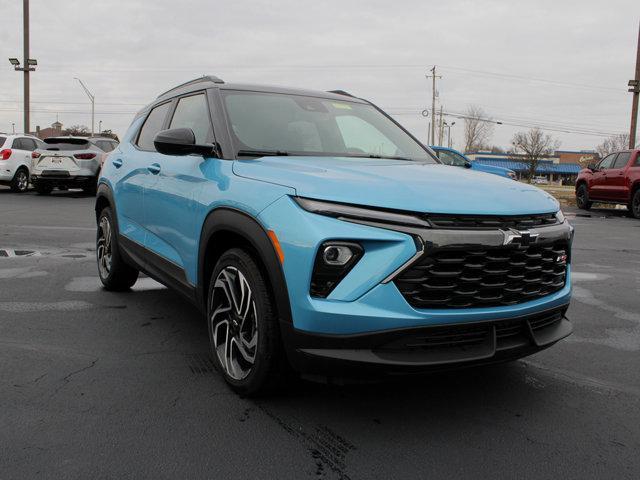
{"x":115,"y":274}
{"x":251,"y":362}
{"x":634,"y":206}
{"x":582,"y":198}
{"x":20,"y":182}
{"x":43,"y":188}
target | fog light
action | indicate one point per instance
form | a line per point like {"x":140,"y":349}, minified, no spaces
{"x":333,"y":262}
{"x":337,"y":255}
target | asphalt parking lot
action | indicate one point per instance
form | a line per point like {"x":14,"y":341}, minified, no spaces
{"x":96,"y":384}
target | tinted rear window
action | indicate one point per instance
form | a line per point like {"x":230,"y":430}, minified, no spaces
{"x":66,"y":144}
{"x":2,"y":140}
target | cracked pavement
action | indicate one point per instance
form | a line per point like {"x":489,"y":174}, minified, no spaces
{"x":95,"y":384}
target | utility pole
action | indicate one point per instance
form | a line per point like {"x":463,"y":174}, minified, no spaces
{"x":635,"y":89}
{"x":440,"y":128}
{"x":93,"y":103}
{"x":433,"y":76}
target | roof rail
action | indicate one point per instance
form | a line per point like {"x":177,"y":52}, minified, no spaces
{"x":204,"y":78}
{"x":341,"y":92}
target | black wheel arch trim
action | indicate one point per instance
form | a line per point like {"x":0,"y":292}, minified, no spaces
{"x":244,"y":225}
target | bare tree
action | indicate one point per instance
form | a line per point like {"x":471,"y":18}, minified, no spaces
{"x":534,"y":145}
{"x":613,"y":144}
{"x":78,"y":130}
{"x":477,"y":131}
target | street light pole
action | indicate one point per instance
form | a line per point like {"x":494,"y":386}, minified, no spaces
{"x":25,"y":24}
{"x":93,"y":102}
{"x":99,"y":127}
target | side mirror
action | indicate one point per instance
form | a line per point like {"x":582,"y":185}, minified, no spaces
{"x":181,"y":141}
{"x":593,"y":167}
{"x":467,"y":164}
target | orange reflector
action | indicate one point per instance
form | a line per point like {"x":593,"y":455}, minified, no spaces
{"x":276,"y":245}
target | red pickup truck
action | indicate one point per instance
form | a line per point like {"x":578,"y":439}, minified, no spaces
{"x":615,"y":179}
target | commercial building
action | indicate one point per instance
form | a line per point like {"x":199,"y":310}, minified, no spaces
{"x":562,"y":167}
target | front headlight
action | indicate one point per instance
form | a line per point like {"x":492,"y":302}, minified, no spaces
{"x":512,"y":175}
{"x":346,"y":211}
{"x":560,"y":216}
{"x":334,"y":261}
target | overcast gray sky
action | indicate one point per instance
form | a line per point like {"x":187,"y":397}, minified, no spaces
{"x":562,"y":64}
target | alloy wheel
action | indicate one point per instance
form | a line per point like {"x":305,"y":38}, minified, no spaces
{"x":104,"y":251}
{"x":234,"y":323}
{"x":582,"y":197}
{"x":22,"y":181}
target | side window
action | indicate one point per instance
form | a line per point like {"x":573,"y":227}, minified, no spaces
{"x":18,"y":144}
{"x":193,"y":112}
{"x":152,"y":125}
{"x":607,"y":161}
{"x":622,"y":160}
{"x":637,"y":162}
{"x":29,"y":144}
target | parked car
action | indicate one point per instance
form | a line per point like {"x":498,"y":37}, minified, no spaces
{"x":15,"y":160}
{"x":540,"y":180}
{"x":315,"y":232}
{"x":452,"y":157}
{"x":615,"y":179}
{"x":66,"y":162}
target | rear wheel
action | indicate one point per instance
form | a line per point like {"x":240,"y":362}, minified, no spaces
{"x":43,"y":188}
{"x":20,"y":182}
{"x":243,"y":325}
{"x":634,"y":206}
{"x":582,"y":197}
{"x":114,"y":273}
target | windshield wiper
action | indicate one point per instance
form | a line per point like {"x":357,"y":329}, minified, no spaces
{"x":262,"y":153}
{"x":384,"y":157}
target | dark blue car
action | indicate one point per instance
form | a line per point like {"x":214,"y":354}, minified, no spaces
{"x":452,"y":157}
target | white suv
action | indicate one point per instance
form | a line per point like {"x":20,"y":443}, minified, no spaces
{"x":15,"y":160}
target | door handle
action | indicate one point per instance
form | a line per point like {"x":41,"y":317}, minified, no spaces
{"x":117,"y":162}
{"x":154,"y":168}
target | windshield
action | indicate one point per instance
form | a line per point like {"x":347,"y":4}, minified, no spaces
{"x":451,"y":158}
{"x":279,"y":124}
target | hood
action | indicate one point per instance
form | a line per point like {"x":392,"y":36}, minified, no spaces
{"x":398,"y":184}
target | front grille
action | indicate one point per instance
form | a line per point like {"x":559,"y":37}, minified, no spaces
{"x":519,"y":222}
{"x":464,"y":277}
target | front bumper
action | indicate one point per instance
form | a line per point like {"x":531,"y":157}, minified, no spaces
{"x":424,"y":349}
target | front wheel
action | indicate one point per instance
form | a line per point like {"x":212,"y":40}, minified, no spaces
{"x":582,"y":198}
{"x":634,"y":206}
{"x":114,"y":273}
{"x":243,"y":325}
{"x":20,"y":182}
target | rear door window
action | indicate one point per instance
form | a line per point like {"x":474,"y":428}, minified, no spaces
{"x":622,"y":160}
{"x":193,"y":112}
{"x":152,"y":125}
{"x":2,"y":140}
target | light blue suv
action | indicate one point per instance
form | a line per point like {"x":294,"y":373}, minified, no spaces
{"x":319,"y":236}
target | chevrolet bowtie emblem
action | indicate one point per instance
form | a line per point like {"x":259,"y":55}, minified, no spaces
{"x":522,"y":238}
